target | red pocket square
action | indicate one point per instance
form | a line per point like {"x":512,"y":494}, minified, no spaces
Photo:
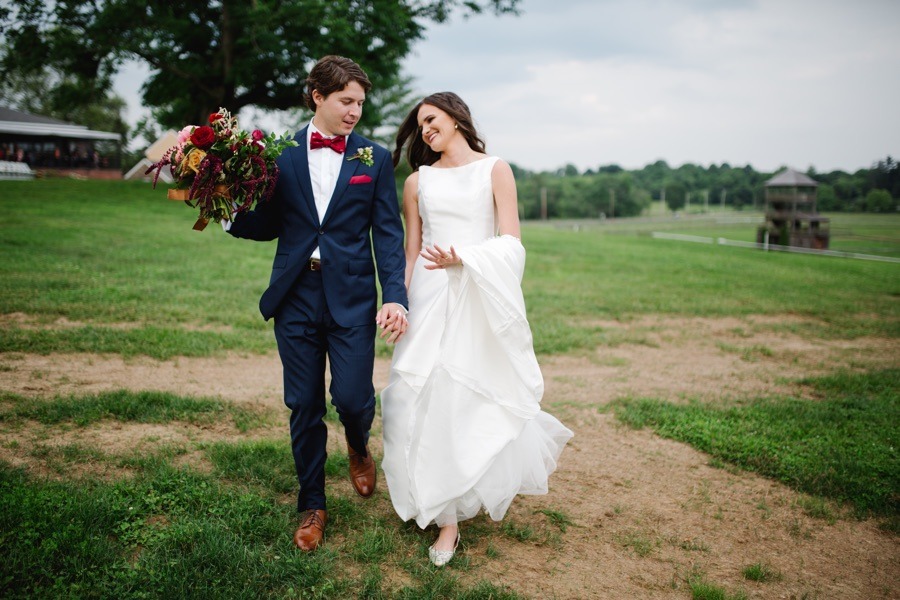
{"x":360,"y":179}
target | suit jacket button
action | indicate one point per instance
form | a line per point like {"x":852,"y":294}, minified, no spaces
{"x":321,"y":232}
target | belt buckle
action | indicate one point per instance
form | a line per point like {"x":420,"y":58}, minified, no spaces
{"x":315,"y":264}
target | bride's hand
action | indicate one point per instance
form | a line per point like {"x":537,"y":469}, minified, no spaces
{"x":440,"y":258}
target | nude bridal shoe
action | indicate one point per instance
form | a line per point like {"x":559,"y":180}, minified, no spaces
{"x":439,"y":558}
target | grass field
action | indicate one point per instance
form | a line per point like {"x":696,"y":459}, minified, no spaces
{"x":124,"y":267}
{"x":112,"y":268}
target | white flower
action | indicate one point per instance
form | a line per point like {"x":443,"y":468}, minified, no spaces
{"x":365,"y":156}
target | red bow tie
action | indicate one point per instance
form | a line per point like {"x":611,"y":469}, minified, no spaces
{"x":337,"y":143}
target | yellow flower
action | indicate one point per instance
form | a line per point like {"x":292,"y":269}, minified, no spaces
{"x":193,"y":159}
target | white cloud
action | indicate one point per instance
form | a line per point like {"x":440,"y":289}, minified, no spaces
{"x":591,"y":82}
{"x":766,"y":83}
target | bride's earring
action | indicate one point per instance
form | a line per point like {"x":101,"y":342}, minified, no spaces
{"x":456,"y":126}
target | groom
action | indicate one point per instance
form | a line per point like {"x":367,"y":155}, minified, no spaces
{"x":335,"y":200}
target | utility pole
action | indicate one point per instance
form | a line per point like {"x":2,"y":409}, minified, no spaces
{"x":543,"y":204}
{"x":612,"y":203}
{"x":722,"y":198}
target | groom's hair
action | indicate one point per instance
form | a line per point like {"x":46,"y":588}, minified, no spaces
{"x":332,"y":74}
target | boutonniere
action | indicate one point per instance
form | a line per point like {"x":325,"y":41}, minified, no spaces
{"x":365,"y":156}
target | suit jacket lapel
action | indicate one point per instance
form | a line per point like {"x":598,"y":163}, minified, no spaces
{"x":348,"y":168}
{"x":300,"y":160}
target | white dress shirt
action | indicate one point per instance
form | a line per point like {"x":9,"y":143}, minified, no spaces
{"x":324,"y":168}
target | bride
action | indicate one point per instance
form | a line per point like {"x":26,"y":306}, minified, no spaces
{"x":463,"y":429}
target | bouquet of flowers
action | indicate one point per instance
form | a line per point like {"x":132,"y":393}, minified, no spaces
{"x":221,"y":169}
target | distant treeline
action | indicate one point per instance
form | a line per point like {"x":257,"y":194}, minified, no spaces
{"x":612,"y":191}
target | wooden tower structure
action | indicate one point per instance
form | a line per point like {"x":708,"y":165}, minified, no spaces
{"x":791,"y":215}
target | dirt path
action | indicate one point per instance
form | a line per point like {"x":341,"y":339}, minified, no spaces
{"x":646,"y":512}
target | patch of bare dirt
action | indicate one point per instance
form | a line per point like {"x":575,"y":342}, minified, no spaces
{"x":646,"y":512}
{"x":25,"y":321}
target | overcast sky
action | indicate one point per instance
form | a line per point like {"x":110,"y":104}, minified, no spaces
{"x":593,"y":82}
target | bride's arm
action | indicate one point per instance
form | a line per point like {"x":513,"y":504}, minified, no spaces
{"x":413,"y":223}
{"x":506,"y":200}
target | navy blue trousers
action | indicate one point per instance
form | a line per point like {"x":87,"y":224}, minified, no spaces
{"x":306,"y":334}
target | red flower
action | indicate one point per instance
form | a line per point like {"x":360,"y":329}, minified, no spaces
{"x":257,"y":135}
{"x":203,"y":137}
{"x":214,"y":117}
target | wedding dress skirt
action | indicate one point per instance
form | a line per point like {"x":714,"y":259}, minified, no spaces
{"x":463,"y":429}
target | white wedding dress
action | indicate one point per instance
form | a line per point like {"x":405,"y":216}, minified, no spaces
{"x":463,"y":429}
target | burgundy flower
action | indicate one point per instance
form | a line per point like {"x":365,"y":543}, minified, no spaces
{"x":203,"y":137}
{"x":235,"y":169}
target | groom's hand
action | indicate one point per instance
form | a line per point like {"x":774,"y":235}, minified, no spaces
{"x":392,"y":320}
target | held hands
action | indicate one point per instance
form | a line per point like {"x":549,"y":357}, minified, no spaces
{"x":392,"y":320}
{"x":440,"y":259}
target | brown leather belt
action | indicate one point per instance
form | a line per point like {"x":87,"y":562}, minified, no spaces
{"x":314,"y":264}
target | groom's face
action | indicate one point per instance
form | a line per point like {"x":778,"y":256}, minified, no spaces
{"x":338,"y":112}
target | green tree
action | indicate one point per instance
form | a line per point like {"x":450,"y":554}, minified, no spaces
{"x":204,"y":54}
{"x":826,"y":199}
{"x":569,"y":170}
{"x":617,"y":195}
{"x":849,"y":191}
{"x":885,"y":174}
{"x":33,"y":92}
{"x":880,"y":201}
{"x":676,"y":196}
{"x":741,"y":197}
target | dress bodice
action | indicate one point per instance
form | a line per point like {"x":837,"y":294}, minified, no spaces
{"x":457,"y":204}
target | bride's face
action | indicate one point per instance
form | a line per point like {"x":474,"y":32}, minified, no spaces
{"x":438,"y":128}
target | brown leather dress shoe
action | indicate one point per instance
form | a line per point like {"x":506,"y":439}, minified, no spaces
{"x":311,"y":531}
{"x":362,"y":472}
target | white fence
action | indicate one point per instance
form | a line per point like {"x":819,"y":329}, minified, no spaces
{"x":663,"y":235}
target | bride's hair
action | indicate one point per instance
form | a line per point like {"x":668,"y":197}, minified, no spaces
{"x":418,"y":153}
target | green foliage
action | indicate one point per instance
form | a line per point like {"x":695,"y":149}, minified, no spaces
{"x":206,"y":55}
{"x":638,"y":542}
{"x":34,"y":92}
{"x":571,"y":195}
{"x":151,"y":341}
{"x":170,"y":533}
{"x":265,"y":464}
{"x":885,"y":175}
{"x":521,"y":533}
{"x":703,"y":590}
{"x":122,"y":405}
{"x":557,"y":518}
{"x":841,"y":446}
{"x":176,"y":533}
{"x":761,"y":572}
{"x":880,"y":201}
{"x":676,"y":196}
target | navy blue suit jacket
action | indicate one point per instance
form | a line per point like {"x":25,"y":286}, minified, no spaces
{"x":360,"y":216}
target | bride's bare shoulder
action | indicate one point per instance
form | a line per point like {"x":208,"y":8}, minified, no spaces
{"x":411,"y":186}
